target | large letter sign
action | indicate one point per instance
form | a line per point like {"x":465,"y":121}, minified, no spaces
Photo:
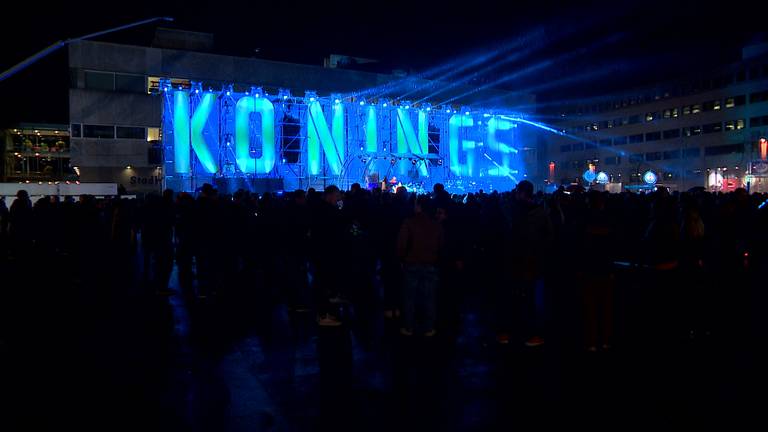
{"x":211,"y":134}
{"x":406,"y":137}
{"x":318,"y":135}
{"x":247,"y":107}
{"x":459,"y":146}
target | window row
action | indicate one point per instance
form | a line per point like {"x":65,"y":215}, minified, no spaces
{"x":730,"y":125}
{"x":112,"y":81}
{"x":111,"y":132}
{"x":670,"y":113}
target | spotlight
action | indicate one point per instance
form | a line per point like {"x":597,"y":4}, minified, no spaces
{"x":385,"y":105}
{"x":337,"y":101}
{"x":362,"y":103}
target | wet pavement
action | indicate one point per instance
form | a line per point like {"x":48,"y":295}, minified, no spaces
{"x":104,"y":352}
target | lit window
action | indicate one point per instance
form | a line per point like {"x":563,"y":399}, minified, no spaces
{"x":730,"y":103}
{"x":153,"y":84}
{"x":686,"y":110}
{"x":153,"y":134}
{"x":740,"y":124}
{"x":675,"y":112}
{"x":695,"y":109}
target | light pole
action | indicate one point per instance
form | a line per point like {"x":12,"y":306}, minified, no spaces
{"x":59,"y":44}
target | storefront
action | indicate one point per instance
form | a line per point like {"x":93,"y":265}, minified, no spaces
{"x":37,"y":153}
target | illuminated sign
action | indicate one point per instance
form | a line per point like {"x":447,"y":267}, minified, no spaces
{"x":650,"y":177}
{"x":208,"y":133}
{"x":602,"y":177}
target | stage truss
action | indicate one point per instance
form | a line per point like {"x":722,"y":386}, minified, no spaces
{"x":366,"y":160}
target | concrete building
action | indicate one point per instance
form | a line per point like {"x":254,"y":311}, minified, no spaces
{"x":115,"y":113}
{"x":701,"y":132}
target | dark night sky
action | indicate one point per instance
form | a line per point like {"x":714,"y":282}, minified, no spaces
{"x":660,"y":40}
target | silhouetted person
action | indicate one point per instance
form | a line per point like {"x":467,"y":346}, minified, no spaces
{"x":395,"y":209}
{"x":419,"y":245}
{"x":698,"y":291}
{"x":20,"y":228}
{"x":208,"y":228}
{"x":530,"y":235}
{"x":157,"y":239}
{"x":184,"y":233}
{"x":4,"y":220}
{"x":327,"y":236}
{"x":596,"y":273}
{"x":296,"y":251}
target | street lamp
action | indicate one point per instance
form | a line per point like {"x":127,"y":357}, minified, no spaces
{"x":62,"y":43}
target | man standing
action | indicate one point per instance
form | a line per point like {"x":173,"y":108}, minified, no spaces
{"x":530,"y":237}
{"x":327,"y":235}
{"x":419,"y":244}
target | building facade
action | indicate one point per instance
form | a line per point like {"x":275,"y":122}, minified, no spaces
{"x":701,"y":133}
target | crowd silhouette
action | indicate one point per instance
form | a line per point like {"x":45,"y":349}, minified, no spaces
{"x":323,"y":250}
{"x":587,"y":271}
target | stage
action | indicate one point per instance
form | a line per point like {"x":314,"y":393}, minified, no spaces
{"x":268,"y":142}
